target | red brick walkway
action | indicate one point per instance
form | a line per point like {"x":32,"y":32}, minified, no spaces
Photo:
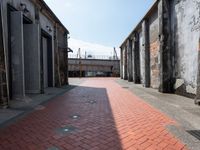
{"x":111,"y":118}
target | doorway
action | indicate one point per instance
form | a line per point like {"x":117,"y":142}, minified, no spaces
{"x":46,"y":60}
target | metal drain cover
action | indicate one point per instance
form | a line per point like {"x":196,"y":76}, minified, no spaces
{"x":195,"y":133}
{"x":66,"y":130}
{"x":75,"y":117}
{"x":53,"y":148}
{"x":125,"y":87}
{"x":92,"y":102}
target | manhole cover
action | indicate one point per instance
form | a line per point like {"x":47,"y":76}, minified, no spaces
{"x":66,"y":130}
{"x":39,"y":107}
{"x":195,"y":133}
{"x":75,"y":117}
{"x":53,"y":148}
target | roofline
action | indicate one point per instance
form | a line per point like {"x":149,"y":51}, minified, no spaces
{"x":53,"y":15}
{"x":138,"y":25}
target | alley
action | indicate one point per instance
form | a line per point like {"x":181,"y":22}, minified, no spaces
{"x":98,"y":114}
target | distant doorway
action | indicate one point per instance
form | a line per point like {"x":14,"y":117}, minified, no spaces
{"x":46,"y":60}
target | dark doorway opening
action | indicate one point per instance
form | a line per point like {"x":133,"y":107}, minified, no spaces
{"x":46,"y":60}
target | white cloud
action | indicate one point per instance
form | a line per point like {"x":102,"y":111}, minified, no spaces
{"x":91,"y":48}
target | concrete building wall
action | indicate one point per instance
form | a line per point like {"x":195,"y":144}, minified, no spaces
{"x":94,"y":65}
{"x":154,"y":49}
{"x":17,"y":36}
{"x":185,"y":30}
{"x":174,"y":37}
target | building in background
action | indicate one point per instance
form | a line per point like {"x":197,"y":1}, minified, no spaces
{"x":89,"y":65}
{"x":162,"y":51}
{"x":33,"y":49}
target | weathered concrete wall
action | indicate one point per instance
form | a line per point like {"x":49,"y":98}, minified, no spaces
{"x":154,"y":49}
{"x":174,"y":37}
{"x":185,"y":30}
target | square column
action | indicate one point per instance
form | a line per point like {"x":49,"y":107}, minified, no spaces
{"x":146,"y":57}
{"x":165,"y":48}
{"x":136,"y":58}
{"x":17,"y":55}
{"x":121,"y":63}
{"x":125,"y":63}
{"x":129,"y":61}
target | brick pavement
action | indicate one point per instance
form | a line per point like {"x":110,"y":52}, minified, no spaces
{"x":107,"y":117}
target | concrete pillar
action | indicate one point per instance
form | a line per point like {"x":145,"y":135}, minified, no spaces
{"x":66,"y":61}
{"x":121,"y":63}
{"x":136,"y":59}
{"x":32,"y":58}
{"x":129,"y":61}
{"x":17,"y":55}
{"x":197,"y":97}
{"x":3,"y":72}
{"x":165,"y":48}
{"x":125,"y":63}
{"x":146,"y":57}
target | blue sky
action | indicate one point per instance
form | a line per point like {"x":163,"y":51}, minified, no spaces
{"x":103,"y":23}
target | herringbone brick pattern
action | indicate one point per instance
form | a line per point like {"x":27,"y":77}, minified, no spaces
{"x":109,"y":118}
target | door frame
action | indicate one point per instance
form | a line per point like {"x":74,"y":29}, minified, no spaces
{"x":49,"y":59}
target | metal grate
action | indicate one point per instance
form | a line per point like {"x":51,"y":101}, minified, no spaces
{"x":195,"y":133}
